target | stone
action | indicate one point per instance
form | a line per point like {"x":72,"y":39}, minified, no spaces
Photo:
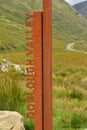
{"x":10,"y":120}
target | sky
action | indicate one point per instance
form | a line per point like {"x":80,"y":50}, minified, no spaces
{"x":73,"y":2}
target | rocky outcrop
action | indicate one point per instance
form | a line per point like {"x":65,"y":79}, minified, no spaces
{"x":6,"y":66}
{"x":10,"y":120}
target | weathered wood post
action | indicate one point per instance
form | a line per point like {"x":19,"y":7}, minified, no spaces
{"x":39,"y":69}
{"x":47,"y":64}
{"x":38,"y":52}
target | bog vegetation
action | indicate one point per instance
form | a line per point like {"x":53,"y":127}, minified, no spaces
{"x":69,"y":90}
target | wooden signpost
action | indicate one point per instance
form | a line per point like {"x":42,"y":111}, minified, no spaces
{"x":39,"y":67}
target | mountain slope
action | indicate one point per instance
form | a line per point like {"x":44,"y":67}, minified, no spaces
{"x":67,"y":23}
{"x":81,"y":8}
{"x":66,"y":20}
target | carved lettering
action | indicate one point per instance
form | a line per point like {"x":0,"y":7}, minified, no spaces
{"x":30,"y":68}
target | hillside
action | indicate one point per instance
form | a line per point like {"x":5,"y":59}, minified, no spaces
{"x":82,"y":8}
{"x":67,"y":23}
{"x":69,"y":69}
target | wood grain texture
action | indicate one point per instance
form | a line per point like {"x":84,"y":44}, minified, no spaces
{"x":47,"y":64}
{"x":37,"y":29}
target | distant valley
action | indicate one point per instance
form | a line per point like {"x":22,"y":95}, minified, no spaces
{"x":68,"y":24}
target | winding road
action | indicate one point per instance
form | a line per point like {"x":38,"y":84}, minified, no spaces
{"x":70,"y":47}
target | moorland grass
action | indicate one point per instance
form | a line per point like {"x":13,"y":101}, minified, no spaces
{"x":69,"y":90}
{"x":13,"y":95}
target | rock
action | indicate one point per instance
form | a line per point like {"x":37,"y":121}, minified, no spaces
{"x":10,"y":120}
{"x":6,"y":66}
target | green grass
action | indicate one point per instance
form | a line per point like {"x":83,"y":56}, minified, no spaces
{"x":13,"y":95}
{"x":69,"y":89}
{"x":12,"y":36}
{"x":18,"y":57}
{"x":10,"y":93}
{"x":81,"y":45}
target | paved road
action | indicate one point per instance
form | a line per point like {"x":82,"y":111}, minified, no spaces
{"x":70,"y":47}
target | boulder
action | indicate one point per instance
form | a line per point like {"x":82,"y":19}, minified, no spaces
{"x":10,"y":120}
